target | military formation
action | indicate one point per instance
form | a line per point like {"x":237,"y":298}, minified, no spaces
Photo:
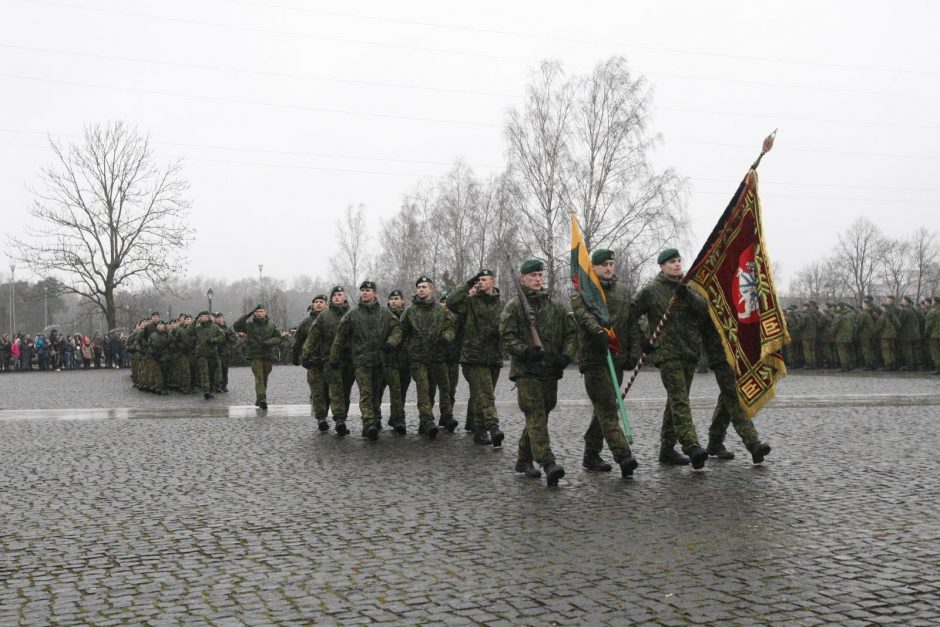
{"x":891,"y":336}
{"x":385,"y":348}
{"x":183,"y":355}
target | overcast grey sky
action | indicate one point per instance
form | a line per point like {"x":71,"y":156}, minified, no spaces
{"x":286,"y":111}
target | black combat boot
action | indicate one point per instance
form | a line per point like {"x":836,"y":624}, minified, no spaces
{"x":717,"y":449}
{"x":429,"y":429}
{"x":480,"y":436}
{"x":528,"y":469}
{"x":341,"y":428}
{"x":371,"y":432}
{"x":450,"y":423}
{"x":553,"y":472}
{"x":627,"y":466}
{"x":497,"y":436}
{"x":669,"y":455}
{"x":323,"y":425}
{"x":758,"y":451}
{"x":699,"y":456}
{"x":399,"y":426}
{"x":207,"y":395}
{"x":593,"y":461}
{"x":263,"y":404}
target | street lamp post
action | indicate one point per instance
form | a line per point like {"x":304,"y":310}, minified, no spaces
{"x":209,"y":295}
{"x":45,"y":305}
{"x":260,"y":284}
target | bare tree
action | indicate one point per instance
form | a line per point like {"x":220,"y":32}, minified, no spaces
{"x":821,"y":280}
{"x":623,"y":202}
{"x":459,"y":218}
{"x":895,"y":263}
{"x":859,"y":249}
{"x":538,"y":157}
{"x":352,"y":236}
{"x":107,"y":217}
{"x":924,"y":252}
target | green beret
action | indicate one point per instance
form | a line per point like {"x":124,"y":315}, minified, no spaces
{"x":396,"y":293}
{"x":531,"y":265}
{"x":423,"y":279}
{"x":337,"y":289}
{"x":666,"y":255}
{"x":601,"y":255}
{"x":257,"y":307}
{"x":485,"y":272}
{"x":869,"y":298}
{"x":367,"y":285}
{"x":202,"y":313}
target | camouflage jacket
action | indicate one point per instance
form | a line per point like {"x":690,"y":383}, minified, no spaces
{"x":300,"y":336}
{"x":398,"y":356}
{"x":932,"y":325}
{"x":209,"y":337}
{"x":843,"y":326}
{"x":865,"y":324}
{"x":681,"y":337}
{"x":158,"y":346}
{"x":427,"y":330}
{"x":910,"y":324}
{"x":479,"y":316}
{"x":320,"y":336}
{"x":887,"y":326}
{"x":183,"y":340}
{"x":556,"y":330}
{"x":261,"y":337}
{"x":365,"y":329}
{"x":592,"y":352}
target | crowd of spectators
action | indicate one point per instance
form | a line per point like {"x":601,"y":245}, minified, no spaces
{"x":57,"y":352}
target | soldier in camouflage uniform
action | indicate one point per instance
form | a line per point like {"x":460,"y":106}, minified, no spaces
{"x":397,"y":377}
{"x":368,"y":330}
{"x":226,"y":350}
{"x":909,"y":335}
{"x":676,"y":354}
{"x":810,"y":327}
{"x":451,"y":357}
{"x":261,"y":341}
{"x":158,"y":352}
{"x":843,"y":332}
{"x":864,"y":332}
{"x":593,"y":346}
{"x":316,"y":356}
{"x":183,"y":343}
{"x":315,"y":382}
{"x":477,"y":306}
{"x":932,"y":333}
{"x":728,"y":409}
{"x":134,"y":347}
{"x":536,"y":370}
{"x":428,"y":331}
{"x":208,"y":338}
{"x":886,"y":330}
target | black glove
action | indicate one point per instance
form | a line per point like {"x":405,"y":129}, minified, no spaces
{"x":648,"y":348}
{"x":387,"y":347}
{"x":562,"y":361}
{"x":334,"y":365}
{"x":682,"y":291}
{"x":472,"y":281}
{"x":602,"y":338}
{"x":308,"y":364}
{"x":630,"y":364}
{"x":295,"y":360}
{"x":534,"y":354}
{"x":443,"y":342}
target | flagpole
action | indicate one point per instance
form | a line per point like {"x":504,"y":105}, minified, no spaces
{"x":623,"y":410}
{"x":765,"y":148}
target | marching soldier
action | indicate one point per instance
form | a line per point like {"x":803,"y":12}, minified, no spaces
{"x":207,"y":338}
{"x":477,"y":306}
{"x":676,"y":355}
{"x":886,"y":330}
{"x":316,"y":356}
{"x":261,"y":341}
{"x":368,"y":330}
{"x":428,"y":331}
{"x":226,"y":350}
{"x":865,"y":332}
{"x":397,"y":377}
{"x":158,"y":352}
{"x":843,"y":332}
{"x":593,"y":346}
{"x":536,"y":369}
{"x":932,"y":333}
{"x":810,"y":327}
{"x":317,"y":305}
{"x":909,"y":335}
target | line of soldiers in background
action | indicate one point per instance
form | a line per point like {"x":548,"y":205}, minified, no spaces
{"x":887,"y":337}
{"x":181,"y":354}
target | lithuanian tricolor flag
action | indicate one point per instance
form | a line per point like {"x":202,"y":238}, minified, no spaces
{"x":583,"y":277}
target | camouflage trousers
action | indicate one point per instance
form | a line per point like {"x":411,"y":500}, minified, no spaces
{"x":369,"y":380}
{"x":340,"y":380}
{"x":845,"y":354}
{"x":809,"y":353}
{"x":481,"y":410}
{"x":887,"y":353}
{"x":677,"y":417}
{"x":908,"y":350}
{"x":318,"y":380}
{"x":396,"y":379}
{"x":605,"y":420}
{"x":135,"y":368}
{"x":156,"y":374}
{"x":184,"y":373}
{"x":261,"y":368}
{"x":207,"y":371}
{"x":223,"y":373}
{"x":866,"y":353}
{"x":452,"y":370}
{"x":427,"y":376}
{"x":935,"y":352}
{"x":537,"y":398}
{"x":728,"y":410}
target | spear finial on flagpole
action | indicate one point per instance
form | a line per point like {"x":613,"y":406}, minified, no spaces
{"x":765,"y":148}
{"x":571,"y":211}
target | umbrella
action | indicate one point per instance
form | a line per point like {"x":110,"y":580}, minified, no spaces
{"x":52,"y":327}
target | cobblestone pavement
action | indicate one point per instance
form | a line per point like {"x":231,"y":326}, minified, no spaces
{"x":177,"y":510}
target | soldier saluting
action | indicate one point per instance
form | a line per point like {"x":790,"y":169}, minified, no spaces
{"x":540,"y":338}
{"x":261,"y":338}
